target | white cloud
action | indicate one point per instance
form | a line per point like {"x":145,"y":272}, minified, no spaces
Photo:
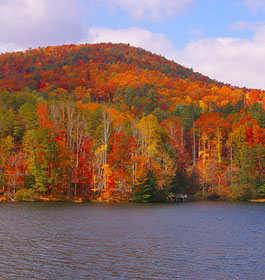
{"x":236,"y":61}
{"x":196,"y":33}
{"x":152,"y":9}
{"x":8,"y":48}
{"x":155,"y":42}
{"x":255,"y":5}
{"x":33,"y":23}
{"x":230,"y":60}
{"x":244,"y":25}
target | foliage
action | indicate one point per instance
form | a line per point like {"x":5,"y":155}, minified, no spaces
{"x":261,"y":190}
{"x":145,"y":192}
{"x":26,"y":195}
{"x":113,"y":121}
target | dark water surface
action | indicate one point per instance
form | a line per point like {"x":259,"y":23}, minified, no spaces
{"x":201,"y":240}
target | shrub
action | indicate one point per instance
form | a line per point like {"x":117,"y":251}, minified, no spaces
{"x":26,"y":195}
{"x":213,"y":196}
{"x":261,"y":190}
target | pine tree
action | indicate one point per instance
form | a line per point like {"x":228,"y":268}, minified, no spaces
{"x":145,"y":192}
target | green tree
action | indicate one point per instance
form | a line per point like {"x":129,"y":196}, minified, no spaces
{"x":41,"y":158}
{"x":258,"y":113}
{"x":145,"y":192}
{"x":7,"y":122}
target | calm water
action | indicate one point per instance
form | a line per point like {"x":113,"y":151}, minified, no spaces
{"x":201,"y":240}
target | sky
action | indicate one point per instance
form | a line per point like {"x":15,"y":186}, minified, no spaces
{"x":223,"y":39}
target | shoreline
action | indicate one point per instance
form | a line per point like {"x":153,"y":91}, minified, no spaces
{"x":83,"y":200}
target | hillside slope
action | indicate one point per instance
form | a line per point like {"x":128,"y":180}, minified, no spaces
{"x":114,"y":122}
{"x":51,"y":65}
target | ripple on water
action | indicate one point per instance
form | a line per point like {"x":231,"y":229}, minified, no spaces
{"x":89,"y":241}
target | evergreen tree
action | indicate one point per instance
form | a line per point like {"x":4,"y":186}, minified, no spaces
{"x":145,"y":192}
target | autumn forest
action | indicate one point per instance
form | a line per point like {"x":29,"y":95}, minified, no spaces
{"x":110,"y":122}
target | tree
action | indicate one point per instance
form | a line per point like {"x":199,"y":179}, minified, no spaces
{"x":7,"y":122}
{"x":148,"y":128}
{"x":120,"y":160}
{"x":41,"y":157}
{"x":145,"y":192}
{"x":6,"y":151}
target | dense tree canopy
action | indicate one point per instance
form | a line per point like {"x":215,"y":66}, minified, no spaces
{"x":114,"y":122}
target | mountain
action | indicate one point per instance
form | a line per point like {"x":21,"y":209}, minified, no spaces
{"x":50,"y":65}
{"x":115,"y":122}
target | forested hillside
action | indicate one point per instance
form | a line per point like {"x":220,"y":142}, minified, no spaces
{"x":116,"y":123}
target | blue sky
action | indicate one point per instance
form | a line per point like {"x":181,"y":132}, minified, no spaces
{"x":224,"y":39}
{"x":208,"y":18}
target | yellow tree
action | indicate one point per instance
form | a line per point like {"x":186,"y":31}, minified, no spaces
{"x":6,"y":147}
{"x":148,"y":129}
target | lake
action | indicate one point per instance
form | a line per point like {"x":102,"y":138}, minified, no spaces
{"x":199,"y":240}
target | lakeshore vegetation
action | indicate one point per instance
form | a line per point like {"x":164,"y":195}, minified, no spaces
{"x":110,"y":122}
